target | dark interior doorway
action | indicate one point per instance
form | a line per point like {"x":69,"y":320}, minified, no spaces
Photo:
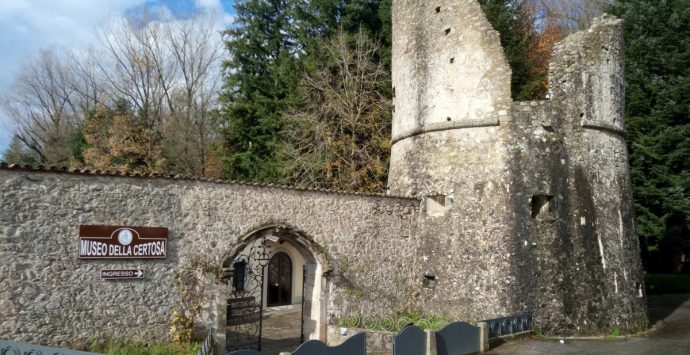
{"x":279,"y":280}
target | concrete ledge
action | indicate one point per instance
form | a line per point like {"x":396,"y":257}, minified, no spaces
{"x":493,"y":342}
{"x":445,"y":126}
{"x":604,"y":126}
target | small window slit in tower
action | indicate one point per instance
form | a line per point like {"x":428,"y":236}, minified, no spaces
{"x":438,"y":9}
{"x":452,"y":60}
{"x":540,"y":205}
{"x":447,"y":31}
{"x":437,"y":205}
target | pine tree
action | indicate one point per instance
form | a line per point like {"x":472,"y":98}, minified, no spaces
{"x":273,"y":45}
{"x":261,"y":81}
{"x":17,"y":153}
{"x":657,"y":107}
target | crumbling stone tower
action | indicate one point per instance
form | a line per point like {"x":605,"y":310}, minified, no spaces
{"x":528,"y":204}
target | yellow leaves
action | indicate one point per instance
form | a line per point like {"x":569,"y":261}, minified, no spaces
{"x":119,"y":141}
{"x":191,"y":289}
{"x":340,"y":136}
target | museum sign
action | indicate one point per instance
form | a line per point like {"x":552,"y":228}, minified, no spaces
{"x":118,"y":242}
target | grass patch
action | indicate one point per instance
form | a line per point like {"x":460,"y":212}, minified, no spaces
{"x":152,"y":349}
{"x":667,"y":283}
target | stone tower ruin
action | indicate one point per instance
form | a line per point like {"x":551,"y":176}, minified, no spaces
{"x":533,"y":198}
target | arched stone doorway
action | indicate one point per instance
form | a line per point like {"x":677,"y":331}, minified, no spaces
{"x":273,"y":268}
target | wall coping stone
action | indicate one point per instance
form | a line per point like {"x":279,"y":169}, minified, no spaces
{"x":156,"y":176}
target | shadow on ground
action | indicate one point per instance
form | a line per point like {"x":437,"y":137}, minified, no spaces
{"x":281,"y":331}
{"x":659,"y":307}
{"x":670,"y":335}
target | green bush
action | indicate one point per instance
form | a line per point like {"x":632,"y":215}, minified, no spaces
{"x":667,"y":283}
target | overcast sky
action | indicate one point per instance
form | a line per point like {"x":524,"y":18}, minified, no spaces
{"x":28,"y":25}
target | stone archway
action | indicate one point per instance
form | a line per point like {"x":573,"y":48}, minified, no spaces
{"x":308,"y":283}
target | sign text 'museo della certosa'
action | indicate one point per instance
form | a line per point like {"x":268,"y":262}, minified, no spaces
{"x":117,"y":242}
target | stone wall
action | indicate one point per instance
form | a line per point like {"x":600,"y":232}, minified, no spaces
{"x":48,"y":296}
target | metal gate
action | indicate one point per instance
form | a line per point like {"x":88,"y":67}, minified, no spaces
{"x":245,"y":302}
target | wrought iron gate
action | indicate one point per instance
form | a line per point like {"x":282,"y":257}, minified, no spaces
{"x":245,"y":302}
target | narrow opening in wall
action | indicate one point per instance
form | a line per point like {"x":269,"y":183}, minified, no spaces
{"x":438,"y":9}
{"x":452,"y":60}
{"x":436,"y":205}
{"x":447,"y":31}
{"x":429,"y":280}
{"x":541,"y":205}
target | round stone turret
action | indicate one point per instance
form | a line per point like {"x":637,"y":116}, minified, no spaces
{"x":449,"y":75}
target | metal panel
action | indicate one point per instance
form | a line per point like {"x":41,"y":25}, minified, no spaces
{"x":509,"y":325}
{"x":244,"y":313}
{"x":355,"y":345}
{"x":458,"y":338}
{"x":410,"y":340}
{"x":15,"y":348}
{"x":208,"y":344}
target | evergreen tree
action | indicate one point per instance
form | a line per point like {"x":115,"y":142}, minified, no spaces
{"x":657,"y":107}
{"x":17,"y":153}
{"x":273,"y":44}
{"x":261,"y":82}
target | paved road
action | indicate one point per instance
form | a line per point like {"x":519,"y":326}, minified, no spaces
{"x":671,"y":336}
{"x":281,"y":331}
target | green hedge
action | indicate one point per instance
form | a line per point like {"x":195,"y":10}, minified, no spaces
{"x":667,"y":283}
